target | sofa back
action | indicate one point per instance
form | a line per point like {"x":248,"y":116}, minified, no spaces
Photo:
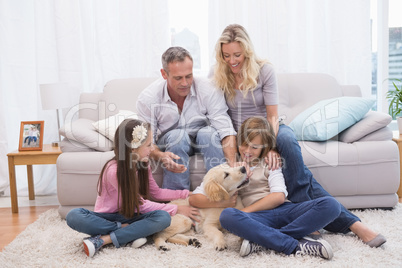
{"x":118,"y":94}
{"x":297,"y":92}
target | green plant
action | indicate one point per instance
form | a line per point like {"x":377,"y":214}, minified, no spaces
{"x":395,"y":97}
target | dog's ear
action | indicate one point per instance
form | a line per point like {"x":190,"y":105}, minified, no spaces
{"x":215,"y":191}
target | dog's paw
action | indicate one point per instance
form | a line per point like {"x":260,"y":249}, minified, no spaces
{"x":220,"y":246}
{"x":164,"y":248}
{"x":194,"y":242}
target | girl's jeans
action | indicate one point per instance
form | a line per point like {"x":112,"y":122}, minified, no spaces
{"x":280,"y":228}
{"x":92,"y":223}
{"x":300,"y":183}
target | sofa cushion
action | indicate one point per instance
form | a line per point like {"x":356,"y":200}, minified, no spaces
{"x":327,"y":118}
{"x":82,"y":131}
{"x":371,"y":122}
{"x":107,"y":127}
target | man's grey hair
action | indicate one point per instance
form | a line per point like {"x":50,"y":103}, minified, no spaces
{"x":174,"y":54}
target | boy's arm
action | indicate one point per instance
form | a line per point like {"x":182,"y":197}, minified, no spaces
{"x":271,"y":201}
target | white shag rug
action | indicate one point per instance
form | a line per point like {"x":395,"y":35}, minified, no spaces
{"x":49,"y":242}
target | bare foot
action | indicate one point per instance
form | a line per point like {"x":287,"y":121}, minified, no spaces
{"x":363,"y":232}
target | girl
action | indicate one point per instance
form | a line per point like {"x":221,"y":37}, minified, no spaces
{"x":122,"y":212}
{"x":250,"y":88}
{"x":268,"y":219}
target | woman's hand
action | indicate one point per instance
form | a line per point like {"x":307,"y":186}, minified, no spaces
{"x":190,"y":212}
{"x":273,"y":160}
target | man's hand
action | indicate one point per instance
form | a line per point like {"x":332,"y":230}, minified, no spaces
{"x":169,"y":164}
{"x":190,"y":212}
{"x":273,"y":160}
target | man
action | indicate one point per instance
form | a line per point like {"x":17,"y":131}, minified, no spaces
{"x":187,"y":115}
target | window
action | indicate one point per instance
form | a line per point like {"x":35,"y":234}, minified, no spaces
{"x":386,"y":48}
{"x":188,"y":21}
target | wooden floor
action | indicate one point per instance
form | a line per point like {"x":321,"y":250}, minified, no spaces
{"x":11,"y":224}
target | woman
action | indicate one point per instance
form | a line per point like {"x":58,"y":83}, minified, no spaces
{"x":250,"y":88}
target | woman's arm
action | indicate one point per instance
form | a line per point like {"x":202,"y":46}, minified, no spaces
{"x":272,"y":117}
{"x":273,"y":159}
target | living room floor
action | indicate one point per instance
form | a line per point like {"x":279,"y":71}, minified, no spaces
{"x":23,"y":201}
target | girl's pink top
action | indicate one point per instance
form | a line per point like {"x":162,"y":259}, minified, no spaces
{"x":107,"y":202}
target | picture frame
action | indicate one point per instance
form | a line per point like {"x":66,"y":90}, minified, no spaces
{"x":31,"y":136}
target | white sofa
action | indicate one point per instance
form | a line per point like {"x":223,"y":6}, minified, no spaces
{"x":361,"y":173}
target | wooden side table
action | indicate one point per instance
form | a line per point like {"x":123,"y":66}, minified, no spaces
{"x":47,"y":156}
{"x":398,"y":139}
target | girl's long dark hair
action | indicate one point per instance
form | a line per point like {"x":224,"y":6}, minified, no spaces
{"x":132,"y":175}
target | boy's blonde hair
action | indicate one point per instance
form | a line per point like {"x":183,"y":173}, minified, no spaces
{"x":257,"y":126}
{"x":223,"y":76}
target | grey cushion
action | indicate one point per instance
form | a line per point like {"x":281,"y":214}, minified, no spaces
{"x":383,"y":134}
{"x":371,"y":122}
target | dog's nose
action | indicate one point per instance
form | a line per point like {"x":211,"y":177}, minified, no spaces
{"x":243,"y":170}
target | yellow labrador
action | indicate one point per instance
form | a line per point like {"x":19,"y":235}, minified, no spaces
{"x":220,"y":183}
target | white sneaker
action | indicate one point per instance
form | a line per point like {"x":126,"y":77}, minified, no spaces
{"x":139,"y":242}
{"x":248,"y":247}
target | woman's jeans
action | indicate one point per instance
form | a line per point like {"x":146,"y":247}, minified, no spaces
{"x":180,"y":143}
{"x":93,"y":223}
{"x":300,"y":183}
{"x":280,"y":228}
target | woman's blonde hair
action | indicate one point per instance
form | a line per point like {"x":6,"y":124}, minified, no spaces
{"x":223,"y":76}
{"x":257,"y":126}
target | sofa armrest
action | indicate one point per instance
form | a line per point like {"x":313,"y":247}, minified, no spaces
{"x":77,"y":177}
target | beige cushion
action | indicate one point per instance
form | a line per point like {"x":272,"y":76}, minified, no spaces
{"x":107,"y":127}
{"x":382,"y":134}
{"x":371,"y":122}
{"x":82,"y":131}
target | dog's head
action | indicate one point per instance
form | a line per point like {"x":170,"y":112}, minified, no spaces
{"x":222,"y":181}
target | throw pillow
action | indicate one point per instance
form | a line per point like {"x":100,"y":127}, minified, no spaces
{"x":107,"y":127}
{"x":371,"y":122}
{"x":83,"y":132}
{"x":383,"y":134}
{"x":327,"y":118}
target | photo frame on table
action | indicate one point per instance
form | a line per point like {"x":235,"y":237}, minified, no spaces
{"x":31,"y":135}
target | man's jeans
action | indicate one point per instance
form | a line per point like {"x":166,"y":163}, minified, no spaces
{"x":180,"y":143}
{"x":93,"y":223}
{"x":300,"y":183}
{"x":281,"y":228}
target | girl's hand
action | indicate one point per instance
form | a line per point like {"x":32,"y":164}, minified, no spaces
{"x":190,"y":212}
{"x":273,"y":160}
